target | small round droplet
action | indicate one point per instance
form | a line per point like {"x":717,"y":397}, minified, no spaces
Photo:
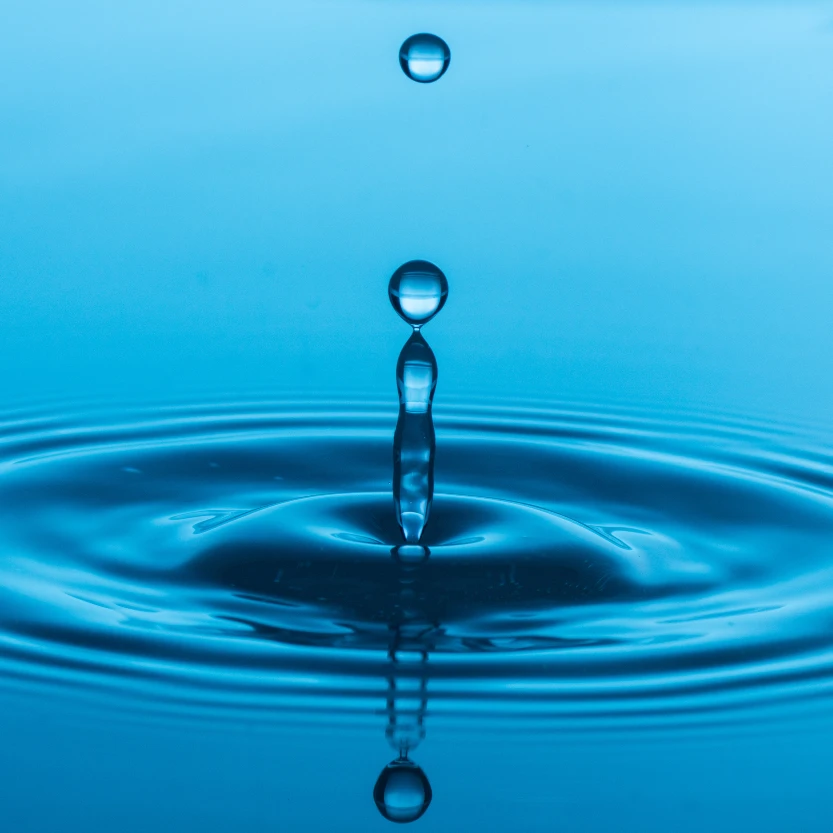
{"x":424,"y":58}
{"x":402,"y":792}
{"x":418,"y":291}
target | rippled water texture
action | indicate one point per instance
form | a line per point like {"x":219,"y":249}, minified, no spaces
{"x":584,"y":563}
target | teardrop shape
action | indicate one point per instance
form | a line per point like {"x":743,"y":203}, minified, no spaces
{"x":424,"y":58}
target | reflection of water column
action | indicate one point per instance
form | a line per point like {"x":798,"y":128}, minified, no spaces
{"x":402,"y":791}
{"x":411,"y":640}
{"x":418,"y":291}
{"x":407,"y":688}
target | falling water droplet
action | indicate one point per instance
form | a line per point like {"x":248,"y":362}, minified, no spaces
{"x":402,"y":792}
{"x":418,"y":291}
{"x":424,"y":58}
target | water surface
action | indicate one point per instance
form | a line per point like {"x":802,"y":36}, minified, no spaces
{"x":208,"y":620}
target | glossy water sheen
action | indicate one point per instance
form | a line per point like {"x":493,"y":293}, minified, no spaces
{"x":586,"y":565}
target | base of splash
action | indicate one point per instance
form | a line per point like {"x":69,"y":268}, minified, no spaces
{"x":346,"y":551}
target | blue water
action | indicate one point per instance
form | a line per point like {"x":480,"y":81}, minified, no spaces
{"x":618,"y":613}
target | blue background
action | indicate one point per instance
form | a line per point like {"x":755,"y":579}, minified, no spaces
{"x":630,"y":200}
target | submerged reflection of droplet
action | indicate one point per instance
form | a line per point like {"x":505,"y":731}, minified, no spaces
{"x":410,"y":554}
{"x":424,"y":58}
{"x":418,"y":291}
{"x":402,"y":792}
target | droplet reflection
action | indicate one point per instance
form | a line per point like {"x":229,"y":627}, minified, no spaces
{"x":424,"y":58}
{"x":410,"y":554}
{"x":402,"y":792}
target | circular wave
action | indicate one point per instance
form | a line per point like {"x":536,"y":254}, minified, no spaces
{"x":582,"y":565}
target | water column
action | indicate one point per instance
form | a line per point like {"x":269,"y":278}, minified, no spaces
{"x":418,"y":291}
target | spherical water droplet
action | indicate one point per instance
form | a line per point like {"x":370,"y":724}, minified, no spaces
{"x":418,"y":291}
{"x":424,"y":58}
{"x":402,"y":792}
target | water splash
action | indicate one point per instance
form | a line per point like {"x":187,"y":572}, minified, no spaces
{"x":588,"y":566}
{"x":414,"y":441}
{"x":418,"y":291}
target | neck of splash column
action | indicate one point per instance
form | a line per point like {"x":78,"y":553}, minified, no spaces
{"x":414,"y":443}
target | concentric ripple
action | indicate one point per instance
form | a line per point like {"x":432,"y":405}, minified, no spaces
{"x":583,"y":564}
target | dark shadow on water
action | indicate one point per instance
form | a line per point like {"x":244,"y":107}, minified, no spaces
{"x":321,"y":556}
